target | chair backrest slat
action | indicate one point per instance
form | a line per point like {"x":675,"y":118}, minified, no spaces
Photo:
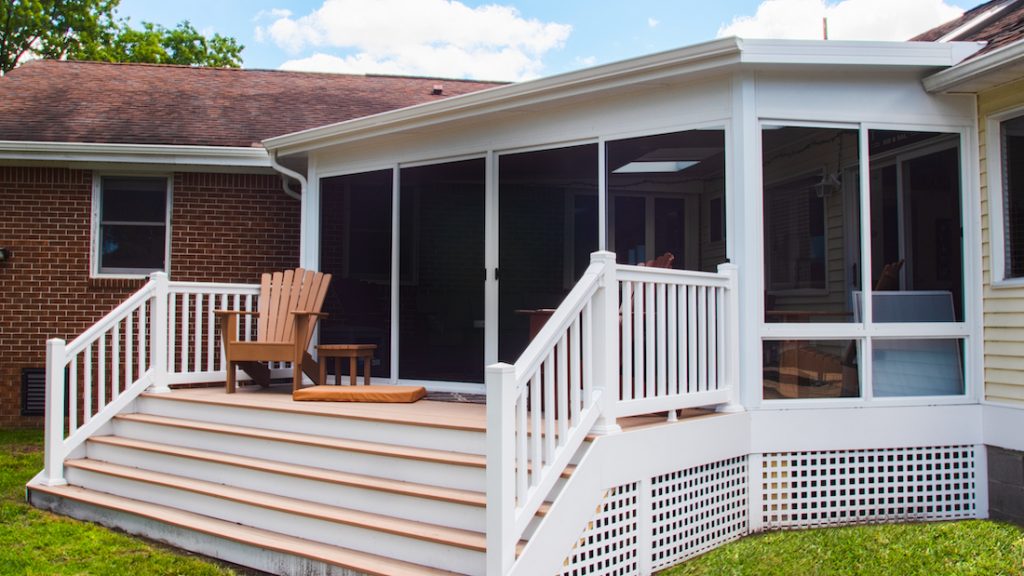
{"x":281,"y":293}
{"x":263,"y":307}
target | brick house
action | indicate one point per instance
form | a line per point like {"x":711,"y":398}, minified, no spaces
{"x":186,"y":139}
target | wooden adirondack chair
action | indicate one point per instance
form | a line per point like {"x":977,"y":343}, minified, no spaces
{"x":289,"y":306}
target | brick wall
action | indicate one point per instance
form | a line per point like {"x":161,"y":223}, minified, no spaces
{"x":225,"y":227}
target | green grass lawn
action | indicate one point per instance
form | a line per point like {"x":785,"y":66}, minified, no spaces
{"x":37,"y":542}
{"x":973,"y":547}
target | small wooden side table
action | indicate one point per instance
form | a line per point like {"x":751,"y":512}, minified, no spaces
{"x":351,"y":351}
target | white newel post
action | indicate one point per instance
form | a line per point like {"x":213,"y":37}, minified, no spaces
{"x":56,"y":359}
{"x":606,"y":342}
{"x":500,"y":380}
{"x":732,"y":337}
{"x":158,"y":332}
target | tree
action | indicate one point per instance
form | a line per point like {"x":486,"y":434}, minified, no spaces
{"x":86,"y":30}
{"x":155,"y":44}
{"x":50,"y":28}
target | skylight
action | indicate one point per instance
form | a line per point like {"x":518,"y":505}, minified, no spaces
{"x":641,"y":167}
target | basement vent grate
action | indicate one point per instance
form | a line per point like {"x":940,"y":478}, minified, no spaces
{"x":608,"y":546}
{"x":806,"y":489}
{"x":697,"y":509}
{"x":33,"y":392}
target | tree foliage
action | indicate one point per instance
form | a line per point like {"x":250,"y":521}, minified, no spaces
{"x":87,"y":30}
{"x":155,"y":44}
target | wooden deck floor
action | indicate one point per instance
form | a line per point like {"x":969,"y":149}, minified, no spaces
{"x":454,"y":415}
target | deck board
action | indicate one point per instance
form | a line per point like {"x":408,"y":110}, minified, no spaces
{"x":452,"y":415}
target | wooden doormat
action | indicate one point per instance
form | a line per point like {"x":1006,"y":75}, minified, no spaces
{"x":360,"y":393}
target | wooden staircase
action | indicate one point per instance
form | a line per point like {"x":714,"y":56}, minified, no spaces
{"x":289,"y":488}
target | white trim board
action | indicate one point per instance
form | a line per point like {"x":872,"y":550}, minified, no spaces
{"x":216,"y":156}
{"x":691,"y":61}
{"x":1003,"y":426}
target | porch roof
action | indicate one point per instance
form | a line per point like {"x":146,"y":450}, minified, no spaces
{"x":699,"y":60}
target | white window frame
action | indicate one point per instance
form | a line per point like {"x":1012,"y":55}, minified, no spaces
{"x":96,"y":215}
{"x":996,"y":214}
{"x":866,"y":331}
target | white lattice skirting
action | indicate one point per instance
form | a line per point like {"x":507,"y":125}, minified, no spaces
{"x":807,"y":489}
{"x":659,"y":521}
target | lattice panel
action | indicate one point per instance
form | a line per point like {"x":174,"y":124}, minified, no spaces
{"x":697,"y":509}
{"x":803,"y":489}
{"x":608,"y":546}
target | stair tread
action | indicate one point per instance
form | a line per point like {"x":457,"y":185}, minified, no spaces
{"x":413,"y":453}
{"x":258,"y":537}
{"x":455,"y":495}
{"x":368,"y":520}
{"x":426,"y":413}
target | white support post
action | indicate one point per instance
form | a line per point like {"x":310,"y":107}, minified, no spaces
{"x":56,"y":359}
{"x":500,"y":380}
{"x":981,"y":501}
{"x":605,"y":362}
{"x":732,"y":338}
{"x":644,"y":528}
{"x":158,"y":333}
{"x":755,"y":501}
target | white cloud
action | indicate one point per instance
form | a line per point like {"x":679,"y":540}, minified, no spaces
{"x":585,"y":61}
{"x":652,"y":22}
{"x":847,"y":19}
{"x":422,"y":37}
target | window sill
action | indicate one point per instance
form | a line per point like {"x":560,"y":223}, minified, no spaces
{"x":1008,"y":284}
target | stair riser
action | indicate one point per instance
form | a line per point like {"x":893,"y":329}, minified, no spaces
{"x":384,"y":466}
{"x":470,"y":442}
{"x":357,"y":538}
{"x":269,"y":561}
{"x":444,"y":513}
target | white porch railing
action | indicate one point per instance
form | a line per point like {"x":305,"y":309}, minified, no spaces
{"x":676,"y":335}
{"x":163,"y":334}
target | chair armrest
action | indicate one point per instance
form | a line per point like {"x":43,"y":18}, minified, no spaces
{"x":309,"y":313}
{"x":236,"y":313}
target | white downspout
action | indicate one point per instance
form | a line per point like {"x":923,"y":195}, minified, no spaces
{"x":289,"y":173}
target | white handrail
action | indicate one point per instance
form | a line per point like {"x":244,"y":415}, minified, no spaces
{"x":671,"y":344}
{"x":540,"y":410}
{"x":163,"y":334}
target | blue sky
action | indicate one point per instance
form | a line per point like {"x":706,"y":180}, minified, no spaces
{"x":516,"y":39}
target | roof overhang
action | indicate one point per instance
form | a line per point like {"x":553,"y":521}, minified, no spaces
{"x":997,"y":67}
{"x":718,"y":56}
{"x":135,"y":154}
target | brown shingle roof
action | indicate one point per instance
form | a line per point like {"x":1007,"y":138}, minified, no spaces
{"x":55,"y":101}
{"x":1001,"y":29}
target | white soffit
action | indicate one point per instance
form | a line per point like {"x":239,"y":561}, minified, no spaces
{"x":207,"y":156}
{"x":717,"y":55}
{"x":999,"y":66}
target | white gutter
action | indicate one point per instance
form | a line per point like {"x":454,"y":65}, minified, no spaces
{"x":976,"y":69}
{"x":285,"y":174}
{"x":690,"y":60}
{"x":227,"y":156}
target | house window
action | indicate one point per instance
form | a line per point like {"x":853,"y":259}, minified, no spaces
{"x":132,"y":224}
{"x":1011,"y":133}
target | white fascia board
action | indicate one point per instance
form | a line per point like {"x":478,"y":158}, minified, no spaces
{"x":699,"y":58}
{"x":857,"y":53}
{"x":975,"y":70}
{"x":708,"y":55}
{"x":223,"y":156}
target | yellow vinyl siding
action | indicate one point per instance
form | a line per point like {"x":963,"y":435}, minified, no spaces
{"x":1004,"y":307}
